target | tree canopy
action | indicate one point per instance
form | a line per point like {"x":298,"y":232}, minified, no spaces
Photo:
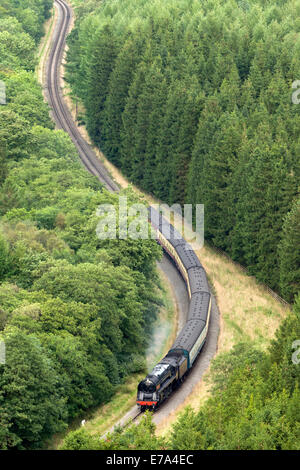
{"x":192,"y":100}
{"x":254,"y":404}
{"x":75,"y":311}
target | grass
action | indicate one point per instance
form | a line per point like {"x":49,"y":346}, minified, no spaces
{"x":247,"y":310}
{"x":44,"y":42}
{"x":101,"y":419}
{"x":164,"y":333}
{"x":109,"y":414}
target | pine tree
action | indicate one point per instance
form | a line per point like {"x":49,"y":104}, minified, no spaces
{"x":101,"y":63}
{"x":157,"y":91}
{"x":263,"y":213}
{"x":191,"y":102}
{"x":207,"y":127}
{"x":289,"y":254}
{"x":148,"y":118}
{"x":129,"y":121}
{"x":3,"y":165}
{"x":4,"y":258}
{"x":168,"y":142}
{"x":119,"y":84}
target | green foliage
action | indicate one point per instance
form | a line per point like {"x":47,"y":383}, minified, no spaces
{"x":3,"y":165}
{"x":5,"y":261}
{"x":30,"y":14}
{"x":289,"y":256}
{"x":17,"y":50}
{"x":81,"y":440}
{"x":255,"y":399}
{"x":254,"y":405}
{"x":23,"y":94}
{"x":195,"y":107}
{"x":14,"y":133}
{"x":192,"y":100}
{"x":31,"y":396}
{"x":98,"y":285}
{"x":84,"y":306}
{"x":185,"y":435}
{"x":135,"y":437}
{"x":74,"y":310}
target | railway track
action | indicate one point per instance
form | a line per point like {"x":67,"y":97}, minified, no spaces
{"x":60,"y":111}
{"x":64,"y":120}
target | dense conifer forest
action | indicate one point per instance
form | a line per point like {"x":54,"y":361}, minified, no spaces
{"x":73,"y":308}
{"x":193,"y":101}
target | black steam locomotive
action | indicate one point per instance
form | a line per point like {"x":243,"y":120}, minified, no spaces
{"x":172,"y":369}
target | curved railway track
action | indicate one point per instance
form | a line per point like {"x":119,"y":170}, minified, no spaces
{"x":60,"y":111}
{"x":64,"y":120}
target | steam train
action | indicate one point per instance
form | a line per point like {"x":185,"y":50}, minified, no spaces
{"x":173,"y":368}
